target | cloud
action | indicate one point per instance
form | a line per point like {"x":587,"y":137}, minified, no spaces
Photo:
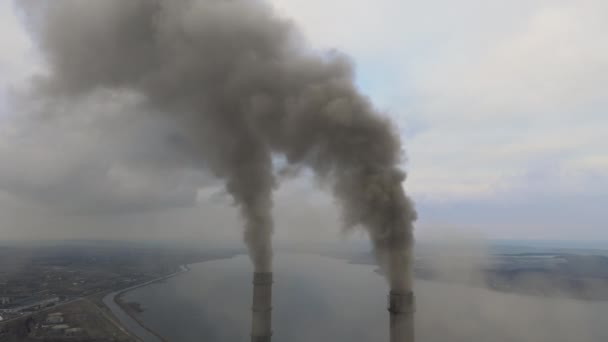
{"x":551,"y":66}
{"x":113,"y":160}
{"x":501,"y":106}
{"x":549,"y":198}
{"x":17,"y":57}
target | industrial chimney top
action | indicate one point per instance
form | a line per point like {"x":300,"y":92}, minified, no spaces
{"x":401,"y":303}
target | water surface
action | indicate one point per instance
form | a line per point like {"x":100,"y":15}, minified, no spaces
{"x":325,"y":299}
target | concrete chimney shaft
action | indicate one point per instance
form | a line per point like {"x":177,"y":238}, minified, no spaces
{"x":401,"y":308}
{"x":261,"y":318}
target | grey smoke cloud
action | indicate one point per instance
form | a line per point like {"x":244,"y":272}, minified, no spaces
{"x":239,"y":86}
{"x":66,"y":162}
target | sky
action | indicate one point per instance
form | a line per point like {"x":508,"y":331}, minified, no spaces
{"x":500,"y":104}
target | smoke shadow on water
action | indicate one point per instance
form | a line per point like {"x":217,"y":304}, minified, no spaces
{"x":323,"y":299}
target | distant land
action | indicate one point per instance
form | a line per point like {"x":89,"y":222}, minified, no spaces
{"x":540,"y":268}
{"x":575,"y":246}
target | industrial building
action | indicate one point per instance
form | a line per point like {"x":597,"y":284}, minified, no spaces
{"x":30,"y":304}
{"x":54,"y":318}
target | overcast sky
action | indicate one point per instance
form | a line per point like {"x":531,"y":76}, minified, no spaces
{"x":501,"y":105}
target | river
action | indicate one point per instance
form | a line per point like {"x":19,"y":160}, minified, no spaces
{"x":325,"y":299}
{"x":133,"y":326}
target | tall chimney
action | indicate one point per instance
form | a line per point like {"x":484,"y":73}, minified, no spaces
{"x":401,"y":308}
{"x":261,"y":311}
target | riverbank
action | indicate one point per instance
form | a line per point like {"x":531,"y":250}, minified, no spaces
{"x":125,"y":315}
{"x":132,"y":309}
{"x":83,"y":315}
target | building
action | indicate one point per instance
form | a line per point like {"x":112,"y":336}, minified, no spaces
{"x":59,"y":329}
{"x":30,"y":305}
{"x":74,"y":332}
{"x":54,"y":318}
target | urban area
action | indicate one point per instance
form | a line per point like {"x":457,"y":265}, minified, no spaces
{"x":55,"y":292}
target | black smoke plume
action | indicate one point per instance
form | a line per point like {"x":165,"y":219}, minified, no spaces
{"x":241,"y":85}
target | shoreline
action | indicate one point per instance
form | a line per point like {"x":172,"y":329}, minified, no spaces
{"x":110,"y":299}
{"x":115,"y":297}
{"x":121,"y":305}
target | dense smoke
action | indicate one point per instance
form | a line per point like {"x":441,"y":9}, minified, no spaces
{"x":242,"y":87}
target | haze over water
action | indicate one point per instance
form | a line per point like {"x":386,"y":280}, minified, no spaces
{"x":325,"y":299}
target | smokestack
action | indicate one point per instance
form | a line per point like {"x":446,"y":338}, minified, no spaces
{"x":401,"y":308}
{"x":261,"y":310}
